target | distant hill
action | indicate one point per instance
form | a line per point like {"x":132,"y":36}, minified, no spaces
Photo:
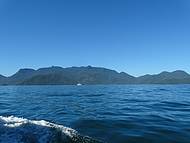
{"x":175,"y":77}
{"x":2,"y":79}
{"x":74,"y":75}
{"x":89,"y":75}
{"x":21,"y":76}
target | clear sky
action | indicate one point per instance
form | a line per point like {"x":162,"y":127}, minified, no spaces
{"x":135,"y":36}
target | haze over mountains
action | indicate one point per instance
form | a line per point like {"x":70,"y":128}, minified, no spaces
{"x":89,"y":75}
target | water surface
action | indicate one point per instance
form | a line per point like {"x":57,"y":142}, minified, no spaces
{"x":111,"y":114}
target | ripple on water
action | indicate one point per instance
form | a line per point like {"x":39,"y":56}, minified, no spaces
{"x":113,"y":114}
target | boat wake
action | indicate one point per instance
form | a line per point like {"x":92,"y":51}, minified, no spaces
{"x":20,"y":130}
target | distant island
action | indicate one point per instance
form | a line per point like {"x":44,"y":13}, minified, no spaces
{"x":89,"y":76}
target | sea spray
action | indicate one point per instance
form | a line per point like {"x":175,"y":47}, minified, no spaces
{"x":20,"y":130}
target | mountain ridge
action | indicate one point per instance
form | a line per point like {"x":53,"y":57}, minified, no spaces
{"x":89,"y":75}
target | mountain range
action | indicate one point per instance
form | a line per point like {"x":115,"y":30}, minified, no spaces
{"x":89,"y":75}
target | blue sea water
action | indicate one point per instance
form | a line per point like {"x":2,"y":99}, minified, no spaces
{"x":110,"y":114}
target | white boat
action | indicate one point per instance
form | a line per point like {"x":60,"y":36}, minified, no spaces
{"x":79,"y":84}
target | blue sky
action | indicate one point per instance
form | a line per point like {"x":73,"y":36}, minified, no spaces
{"x":135,"y":36}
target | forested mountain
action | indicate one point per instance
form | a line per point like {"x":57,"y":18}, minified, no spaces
{"x":89,"y":75}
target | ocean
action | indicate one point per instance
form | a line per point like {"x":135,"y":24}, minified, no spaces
{"x":95,"y":114}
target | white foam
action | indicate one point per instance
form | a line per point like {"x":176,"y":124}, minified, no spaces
{"x":20,"y":130}
{"x":12,"y":122}
{"x":12,"y":128}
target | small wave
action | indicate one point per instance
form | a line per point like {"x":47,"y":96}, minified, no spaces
{"x":20,"y":130}
{"x":93,"y":95}
{"x":58,"y":95}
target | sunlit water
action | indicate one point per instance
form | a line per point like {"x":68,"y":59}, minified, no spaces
{"x":111,"y":114}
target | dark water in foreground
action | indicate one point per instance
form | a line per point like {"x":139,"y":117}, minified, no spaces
{"x":112,"y":114}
